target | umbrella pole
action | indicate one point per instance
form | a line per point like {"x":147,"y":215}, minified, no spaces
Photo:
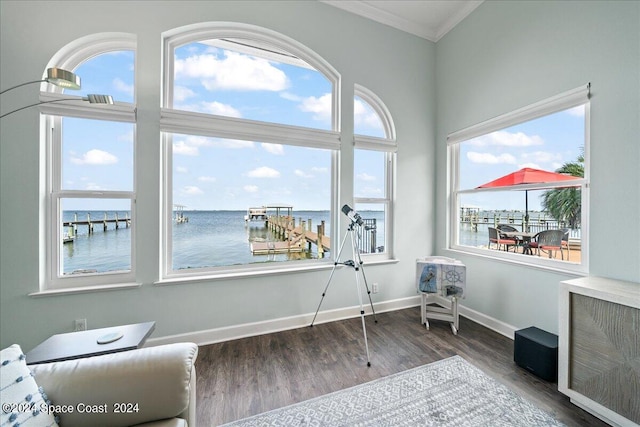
{"x":525,"y":228}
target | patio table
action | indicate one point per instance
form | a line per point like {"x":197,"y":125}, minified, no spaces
{"x":521,"y":236}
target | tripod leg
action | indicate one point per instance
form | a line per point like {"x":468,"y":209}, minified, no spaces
{"x":356,"y":267}
{"x":324,"y":293}
{"x":364,"y":326}
{"x":368,"y":292}
{"x":335,"y":263}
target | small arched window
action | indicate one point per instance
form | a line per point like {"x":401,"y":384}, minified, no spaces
{"x":374,"y":160}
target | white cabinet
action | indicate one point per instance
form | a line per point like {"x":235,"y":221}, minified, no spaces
{"x":599,"y":347}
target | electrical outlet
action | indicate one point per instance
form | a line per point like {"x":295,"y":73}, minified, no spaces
{"x":374,"y":288}
{"x":80,"y":325}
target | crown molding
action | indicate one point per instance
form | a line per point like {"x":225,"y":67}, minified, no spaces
{"x":368,"y":10}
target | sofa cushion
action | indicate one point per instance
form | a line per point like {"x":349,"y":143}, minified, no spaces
{"x":23,"y":402}
{"x":122,"y":389}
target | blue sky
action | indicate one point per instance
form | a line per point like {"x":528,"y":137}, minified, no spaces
{"x":217,"y":173}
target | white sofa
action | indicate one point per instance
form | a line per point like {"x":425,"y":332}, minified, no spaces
{"x":154,"y":386}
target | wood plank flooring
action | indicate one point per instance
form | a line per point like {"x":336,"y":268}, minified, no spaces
{"x":243,"y":377}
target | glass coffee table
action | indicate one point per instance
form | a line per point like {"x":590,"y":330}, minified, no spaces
{"x":93,"y":342}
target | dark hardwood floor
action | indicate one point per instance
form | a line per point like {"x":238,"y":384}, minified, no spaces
{"x":240,"y":378}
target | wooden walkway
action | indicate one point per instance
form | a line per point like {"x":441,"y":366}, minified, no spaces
{"x":72,"y":226}
{"x":294,"y":238}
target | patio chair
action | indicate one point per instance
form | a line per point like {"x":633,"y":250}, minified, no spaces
{"x":505,"y":227}
{"x":548,"y":241}
{"x":500,"y":240}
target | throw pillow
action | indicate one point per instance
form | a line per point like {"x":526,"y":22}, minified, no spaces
{"x":23,"y":402}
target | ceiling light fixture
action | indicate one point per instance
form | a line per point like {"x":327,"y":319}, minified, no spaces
{"x":56,"y":76}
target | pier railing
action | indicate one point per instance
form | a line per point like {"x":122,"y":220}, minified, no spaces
{"x":535,"y":225}
{"x":90,"y":223}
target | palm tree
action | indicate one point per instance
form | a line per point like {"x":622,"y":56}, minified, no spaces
{"x":565,"y":204}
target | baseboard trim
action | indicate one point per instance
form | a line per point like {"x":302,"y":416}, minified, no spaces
{"x":212,"y":336}
{"x":488,"y":322}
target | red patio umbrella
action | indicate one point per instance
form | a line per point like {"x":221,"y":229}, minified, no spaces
{"x":527,"y":176}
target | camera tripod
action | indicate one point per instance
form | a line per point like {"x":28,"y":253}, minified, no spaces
{"x":356,"y":264}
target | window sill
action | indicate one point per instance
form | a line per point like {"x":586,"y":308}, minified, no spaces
{"x":240,"y":274}
{"x":578,"y":270}
{"x":84,"y":289}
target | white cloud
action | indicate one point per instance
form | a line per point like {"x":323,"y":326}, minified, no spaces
{"x":529,"y":165}
{"x":365,"y":177}
{"x":180,"y":93}
{"x":234,"y":71}
{"x":507,"y":139}
{"x":192,"y":190}
{"x":492,"y":159}
{"x":190,"y":145}
{"x":92,"y":186}
{"x":233,"y":143}
{"x":251,"y":188}
{"x":555,"y":166}
{"x":121,"y":86}
{"x":263,"y":172}
{"x":220,"y":109}
{"x":364,"y":115}
{"x":213,"y":107}
{"x":205,"y":141}
{"x":320,"y":107}
{"x":207,"y":178}
{"x":181,"y":147}
{"x":542,"y":157}
{"x":273,"y":148}
{"x":181,"y":169}
{"x":302,"y":174}
{"x":290,"y":96}
{"x":95,"y":157}
{"x":319,"y":169}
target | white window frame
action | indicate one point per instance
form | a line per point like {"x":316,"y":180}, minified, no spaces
{"x":194,"y":123}
{"x":389,"y":146}
{"x":69,"y":58}
{"x":558,"y":103}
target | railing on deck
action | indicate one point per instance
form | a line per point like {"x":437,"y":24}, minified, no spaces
{"x":368,"y":238}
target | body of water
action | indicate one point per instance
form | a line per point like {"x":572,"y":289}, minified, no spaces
{"x":208,"y":239}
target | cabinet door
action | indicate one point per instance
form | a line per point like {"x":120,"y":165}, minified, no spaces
{"x":604,"y":349}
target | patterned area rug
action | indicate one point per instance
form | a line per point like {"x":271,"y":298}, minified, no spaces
{"x":450,"y":392}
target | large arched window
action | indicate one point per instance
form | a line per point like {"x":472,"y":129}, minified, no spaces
{"x":90,"y":165}
{"x":374,"y":160}
{"x":250,"y":128}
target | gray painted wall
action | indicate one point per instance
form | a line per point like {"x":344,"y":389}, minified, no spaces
{"x":398,"y":67}
{"x":507,"y":55}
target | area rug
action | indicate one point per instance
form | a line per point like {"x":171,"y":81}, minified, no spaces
{"x":450,"y":392}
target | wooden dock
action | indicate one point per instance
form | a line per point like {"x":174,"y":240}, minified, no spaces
{"x":293,"y":238}
{"x":72,"y":226}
